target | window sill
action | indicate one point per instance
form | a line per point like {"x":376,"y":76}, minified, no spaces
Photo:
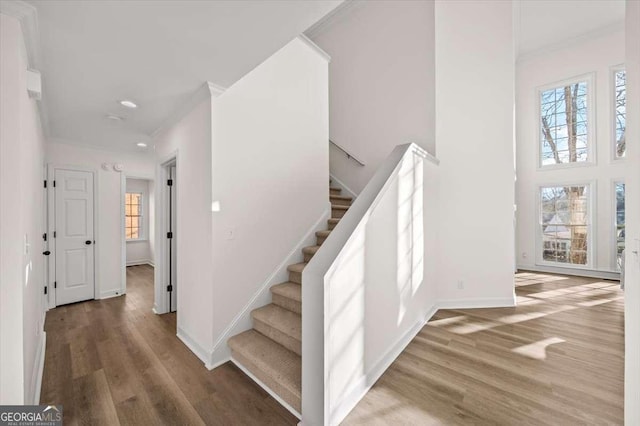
{"x":140,"y":240}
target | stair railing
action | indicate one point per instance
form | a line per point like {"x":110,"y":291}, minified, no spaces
{"x":348,"y":154}
{"x":368,"y":289}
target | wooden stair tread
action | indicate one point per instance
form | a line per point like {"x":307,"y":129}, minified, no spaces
{"x":339,"y":207}
{"x":340,"y":197}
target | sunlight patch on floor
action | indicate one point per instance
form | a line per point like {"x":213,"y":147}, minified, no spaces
{"x":537,"y":350}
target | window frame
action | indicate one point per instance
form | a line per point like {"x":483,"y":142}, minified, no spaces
{"x":141,"y":233}
{"x":614,"y":220}
{"x":590,"y":79}
{"x":591,"y":225}
{"x":613,"y":145}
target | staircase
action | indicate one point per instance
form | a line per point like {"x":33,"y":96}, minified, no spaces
{"x":272,"y":350}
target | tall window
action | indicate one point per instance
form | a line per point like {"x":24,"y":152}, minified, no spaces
{"x":564,"y":126}
{"x":620,"y":89}
{"x":620,"y":221}
{"x":564,"y":224}
{"x":133,"y":215}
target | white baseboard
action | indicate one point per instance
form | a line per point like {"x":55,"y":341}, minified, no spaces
{"x":140,"y":262}
{"x":267,"y":389}
{"x":38,"y":371}
{"x":577,"y":272}
{"x":194,"y":347}
{"x":359,"y":389}
{"x":111,"y":293}
{"x":242,"y":321}
{"x":477,"y":303}
{"x":339,"y":184}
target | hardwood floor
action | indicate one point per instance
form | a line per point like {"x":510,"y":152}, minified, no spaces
{"x":557,"y":359}
{"x":113,"y":361}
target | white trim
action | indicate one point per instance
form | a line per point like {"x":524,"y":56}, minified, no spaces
{"x":613,"y":157}
{"x":267,"y":389}
{"x":139,"y":262}
{"x":592,"y":137}
{"x":28,"y":17}
{"x":123,"y":233}
{"x":110,"y":293}
{"x":207,"y":90}
{"x":359,"y":389}
{"x":477,"y":303}
{"x":335,"y":15}
{"x":589,"y":273}
{"x":570,"y":42}
{"x":261,"y":297}
{"x":39,"y":370}
{"x":193,"y":346}
{"x":337,"y":183}
{"x":306,"y":40}
{"x":591,"y":224}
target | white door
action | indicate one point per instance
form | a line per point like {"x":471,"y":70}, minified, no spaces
{"x":173,"y":252}
{"x":74,"y":236}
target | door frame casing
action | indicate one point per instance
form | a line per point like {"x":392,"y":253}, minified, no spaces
{"x":161,"y":299}
{"x":51,"y":219}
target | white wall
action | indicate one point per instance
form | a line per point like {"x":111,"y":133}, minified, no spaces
{"x":474,"y":134}
{"x":632,"y":286}
{"x":190,"y":139}
{"x":596,"y":55}
{"x":382,"y":83}
{"x":139,"y":251}
{"x":109,"y":199}
{"x":21,"y":225}
{"x":270,"y":172}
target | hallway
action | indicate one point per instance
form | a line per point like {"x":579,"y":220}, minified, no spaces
{"x":113,"y":362}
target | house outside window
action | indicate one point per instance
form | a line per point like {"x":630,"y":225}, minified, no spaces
{"x":565,"y":228}
{"x":619,"y":221}
{"x":620,"y":111}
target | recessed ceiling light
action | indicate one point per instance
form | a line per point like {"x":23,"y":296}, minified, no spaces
{"x":114,"y":117}
{"x":142,"y":144}
{"x":128,"y":104}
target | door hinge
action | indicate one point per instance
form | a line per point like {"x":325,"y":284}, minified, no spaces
{"x":44,"y":236}
{"x":170,"y":182}
{"x":54,"y":183}
{"x":169,"y":288}
{"x":45,"y":185}
{"x":54,"y":234}
{"x":169,"y":234}
{"x":55,"y":284}
{"x":45,"y":289}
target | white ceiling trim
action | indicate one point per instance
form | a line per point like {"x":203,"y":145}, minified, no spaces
{"x":323,"y":24}
{"x":28,"y":17}
{"x":207,"y":91}
{"x":591,"y":35}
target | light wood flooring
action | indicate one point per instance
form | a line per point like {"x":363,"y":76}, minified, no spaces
{"x":556,"y":359}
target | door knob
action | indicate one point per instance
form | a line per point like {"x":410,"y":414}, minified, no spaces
{"x":88,"y":242}
{"x":46,"y":253}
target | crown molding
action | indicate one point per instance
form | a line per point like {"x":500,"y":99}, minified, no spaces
{"x":306,"y":40}
{"x":327,"y":20}
{"x":571,"y":42}
{"x":207,"y":90}
{"x":28,"y":17}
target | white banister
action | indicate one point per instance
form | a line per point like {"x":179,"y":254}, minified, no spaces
{"x":367,"y":290}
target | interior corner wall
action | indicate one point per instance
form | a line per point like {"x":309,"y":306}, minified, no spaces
{"x":270,"y":172}
{"x":596,"y":55}
{"x":109,"y":232}
{"x":382,"y":78}
{"x":190,"y":139}
{"x":475,"y":78}
{"x":21,"y":224}
{"x":632,"y":272}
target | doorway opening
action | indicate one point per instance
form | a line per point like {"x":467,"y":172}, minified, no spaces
{"x":166,"y":274}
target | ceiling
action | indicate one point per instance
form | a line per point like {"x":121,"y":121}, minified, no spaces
{"x":547,"y":22}
{"x":157,"y":54}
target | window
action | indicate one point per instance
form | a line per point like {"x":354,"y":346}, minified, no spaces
{"x":620,"y":90}
{"x":620,"y":221}
{"x":565,"y":124}
{"x":564,"y":224}
{"x":133,"y":216}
